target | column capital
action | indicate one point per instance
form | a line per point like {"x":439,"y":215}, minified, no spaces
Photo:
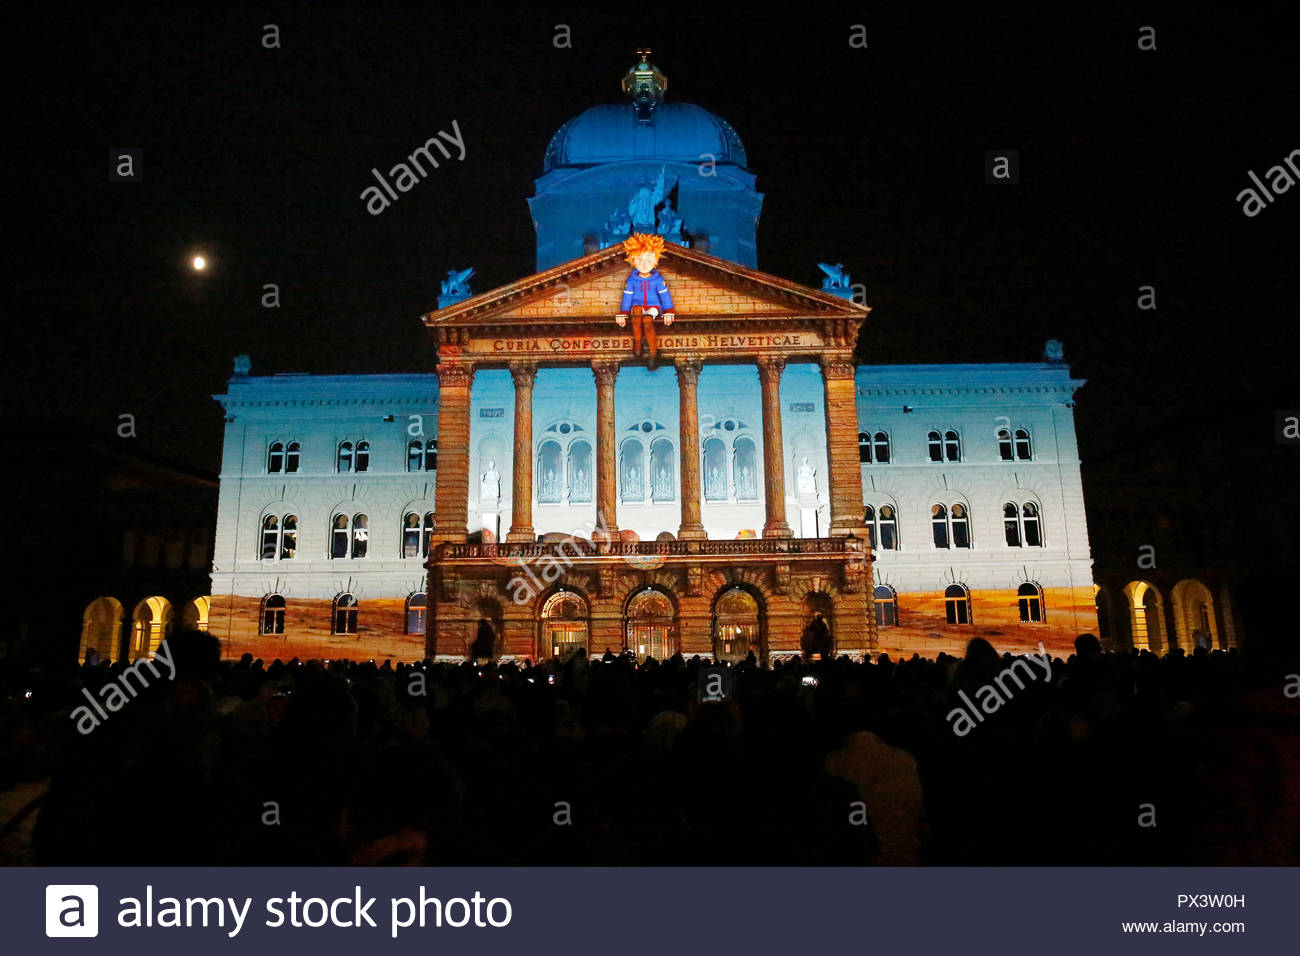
{"x":459,"y":375}
{"x":606,"y":371}
{"x":523,"y":373}
{"x":770,"y":366}
{"x":837,"y":364}
{"x":688,"y":369}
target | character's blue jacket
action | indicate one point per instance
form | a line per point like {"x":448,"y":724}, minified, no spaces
{"x":646,"y":291}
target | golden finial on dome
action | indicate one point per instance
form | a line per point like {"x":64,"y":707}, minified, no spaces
{"x":645,"y":85}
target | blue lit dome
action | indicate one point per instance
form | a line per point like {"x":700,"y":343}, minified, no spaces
{"x":611,"y":164}
{"x":675,"y":132}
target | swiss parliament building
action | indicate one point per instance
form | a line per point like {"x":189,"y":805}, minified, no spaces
{"x":743,"y":486}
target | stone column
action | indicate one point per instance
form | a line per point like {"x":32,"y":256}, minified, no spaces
{"x":842,"y":444}
{"x":606,"y":372}
{"x":521,"y":490}
{"x":451,"y":486}
{"x":769,"y":376}
{"x":688,"y":379}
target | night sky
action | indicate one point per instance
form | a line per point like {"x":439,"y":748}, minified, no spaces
{"x":1131,"y":164}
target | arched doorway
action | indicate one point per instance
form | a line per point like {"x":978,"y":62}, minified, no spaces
{"x":101,"y":629}
{"x":736,"y":625}
{"x":1194,"y":618}
{"x":1146,"y":616}
{"x":818,"y":639}
{"x":151,"y":622}
{"x":485,"y":647}
{"x":195,"y":615}
{"x":563,"y":625}
{"x":649,"y":625}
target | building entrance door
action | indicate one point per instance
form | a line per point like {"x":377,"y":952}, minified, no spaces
{"x":650,"y":626}
{"x":564,"y":625}
{"x":735,"y":627}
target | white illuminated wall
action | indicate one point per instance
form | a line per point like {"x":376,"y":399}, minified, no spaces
{"x":320,"y":411}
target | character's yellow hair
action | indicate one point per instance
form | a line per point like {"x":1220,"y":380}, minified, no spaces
{"x":643,"y":242}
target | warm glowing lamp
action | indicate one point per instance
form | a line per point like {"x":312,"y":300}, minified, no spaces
{"x":199,"y":263}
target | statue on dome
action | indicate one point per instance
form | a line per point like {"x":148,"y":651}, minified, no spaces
{"x":670,"y":224}
{"x":646,"y":295}
{"x":649,"y":196}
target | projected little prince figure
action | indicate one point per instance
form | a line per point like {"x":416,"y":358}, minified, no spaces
{"x":646,"y":295}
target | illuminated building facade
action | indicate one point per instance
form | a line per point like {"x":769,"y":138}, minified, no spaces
{"x":547,"y":482}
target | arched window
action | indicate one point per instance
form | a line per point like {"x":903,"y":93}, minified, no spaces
{"x":631,"y":471}
{"x":1031,"y":603}
{"x":292,"y":455}
{"x":279,"y":537}
{"x":580,"y":472}
{"x":340,"y":533}
{"x":270,"y":537}
{"x":360,"y":535}
{"x":956,"y":604}
{"x":745,"y":468}
{"x":1011,"y":448}
{"x":275,"y":458}
{"x":935,"y":442}
{"x":886,"y":606}
{"x":272,"y":618}
{"x":431,"y":455}
{"x":880,"y":443}
{"x":1011,"y":524}
{"x":363,"y":456}
{"x":951,"y":445}
{"x":1021,"y":525}
{"x":289,"y":537}
{"x":411,"y":536}
{"x":345,"y":457}
{"x":884,"y":527}
{"x":1033,"y":531}
{"x":416,"y":532}
{"x":1024,"y":450}
{"x":715,"y":470}
{"x":939,"y":525}
{"x":951,"y":526}
{"x":349,"y":538}
{"x":415,"y":455}
{"x":864,"y":447}
{"x":663,"y":484}
{"x":960,"y":526}
{"x":416,"y":606}
{"x":550,"y":473}
{"x":345,"y":615}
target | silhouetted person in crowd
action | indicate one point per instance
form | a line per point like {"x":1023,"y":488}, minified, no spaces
{"x":817,"y":638}
{"x":484,"y":647}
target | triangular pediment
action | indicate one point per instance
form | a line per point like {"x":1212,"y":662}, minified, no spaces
{"x":704,"y":289}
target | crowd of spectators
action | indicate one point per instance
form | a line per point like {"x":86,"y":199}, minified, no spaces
{"x":1117,"y":759}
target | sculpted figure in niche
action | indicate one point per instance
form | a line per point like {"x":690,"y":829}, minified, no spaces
{"x":807,"y":481}
{"x":490,"y":483}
